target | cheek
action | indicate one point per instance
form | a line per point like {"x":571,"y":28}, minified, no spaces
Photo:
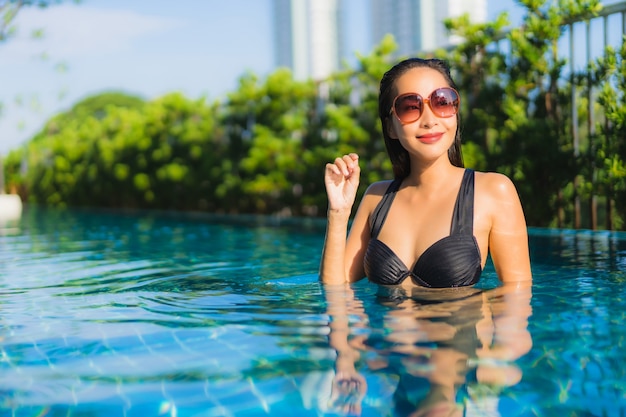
{"x":451,"y":124}
{"x":451,"y":127}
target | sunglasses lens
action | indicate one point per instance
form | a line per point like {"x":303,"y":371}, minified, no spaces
{"x":408,"y":107}
{"x":444,"y":102}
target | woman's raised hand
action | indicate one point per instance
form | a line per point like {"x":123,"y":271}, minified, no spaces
{"x":342,"y":181}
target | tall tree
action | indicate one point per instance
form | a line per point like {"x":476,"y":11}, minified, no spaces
{"x":519,"y":106}
{"x":609,"y":73}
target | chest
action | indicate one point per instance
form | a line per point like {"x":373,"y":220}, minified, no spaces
{"x":413,"y":225}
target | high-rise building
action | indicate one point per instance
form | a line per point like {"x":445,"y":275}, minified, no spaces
{"x":417,"y":25}
{"x":309,"y":34}
{"x":307,"y":37}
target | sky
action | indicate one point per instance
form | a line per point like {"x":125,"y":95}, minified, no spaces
{"x":143,"y":47}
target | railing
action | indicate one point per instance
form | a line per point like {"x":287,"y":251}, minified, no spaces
{"x":575,"y":46}
{"x":586,"y":21}
{"x":618,"y":8}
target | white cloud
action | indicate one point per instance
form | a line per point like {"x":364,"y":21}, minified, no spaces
{"x":71,"y":31}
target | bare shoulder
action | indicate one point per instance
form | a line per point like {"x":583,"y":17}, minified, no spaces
{"x":497,"y":199}
{"x":495,"y":185}
{"x":374,"y":193}
{"x":500,"y":218}
{"x":378,"y":188}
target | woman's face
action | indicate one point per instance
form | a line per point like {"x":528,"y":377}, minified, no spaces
{"x":430,"y":136}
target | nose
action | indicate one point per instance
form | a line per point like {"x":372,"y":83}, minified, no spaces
{"x":428,"y":119}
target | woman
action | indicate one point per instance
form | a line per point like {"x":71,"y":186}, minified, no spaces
{"x":436,"y":222}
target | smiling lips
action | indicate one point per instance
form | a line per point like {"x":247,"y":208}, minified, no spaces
{"x":430,"y":137}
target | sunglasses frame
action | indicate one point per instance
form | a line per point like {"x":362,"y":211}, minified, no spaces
{"x":424,"y":101}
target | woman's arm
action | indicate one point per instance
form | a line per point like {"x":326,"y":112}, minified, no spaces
{"x":508,"y":236}
{"x":342,"y":257}
{"x":341,"y":179}
{"x":332,"y":265}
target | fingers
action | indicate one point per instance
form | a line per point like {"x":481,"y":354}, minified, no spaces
{"x":351,"y":382}
{"x":345,"y":165}
{"x":341,"y":179}
{"x":348,"y":392}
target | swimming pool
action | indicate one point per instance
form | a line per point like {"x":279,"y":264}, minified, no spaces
{"x":145,"y":314}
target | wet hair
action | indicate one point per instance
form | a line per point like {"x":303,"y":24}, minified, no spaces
{"x":397,"y":154}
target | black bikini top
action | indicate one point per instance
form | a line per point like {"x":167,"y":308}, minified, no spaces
{"x":453,"y":261}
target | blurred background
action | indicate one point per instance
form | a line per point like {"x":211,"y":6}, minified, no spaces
{"x":234,"y":106}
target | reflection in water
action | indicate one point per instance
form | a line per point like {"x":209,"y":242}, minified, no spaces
{"x":450,"y":351}
{"x":107,"y":314}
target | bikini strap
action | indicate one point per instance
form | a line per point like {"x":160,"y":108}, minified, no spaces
{"x":380,"y":212}
{"x":463,"y":216}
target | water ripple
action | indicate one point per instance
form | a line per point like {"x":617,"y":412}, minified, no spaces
{"x":140,"y":314}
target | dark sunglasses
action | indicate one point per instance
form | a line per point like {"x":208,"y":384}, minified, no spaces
{"x":408,"y":107}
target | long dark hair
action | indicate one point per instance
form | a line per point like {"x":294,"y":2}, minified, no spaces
{"x":399,"y":156}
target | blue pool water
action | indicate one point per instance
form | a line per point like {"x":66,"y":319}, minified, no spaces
{"x":109,"y":314}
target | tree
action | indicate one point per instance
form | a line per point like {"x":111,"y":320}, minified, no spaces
{"x":113,"y":150}
{"x":609,"y":73}
{"x":518,"y":105}
{"x":257,"y":151}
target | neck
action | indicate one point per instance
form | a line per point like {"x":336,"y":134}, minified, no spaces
{"x":431,"y":175}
